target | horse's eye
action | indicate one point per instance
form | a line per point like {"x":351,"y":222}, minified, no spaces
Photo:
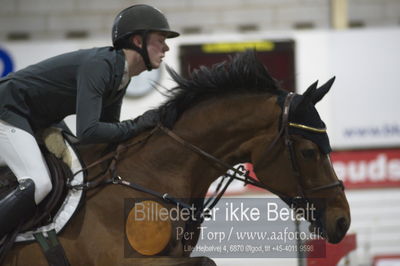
{"x":308,"y":154}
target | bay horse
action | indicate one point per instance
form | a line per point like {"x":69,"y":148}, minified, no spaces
{"x":231,"y":113}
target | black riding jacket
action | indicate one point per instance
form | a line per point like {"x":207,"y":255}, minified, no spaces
{"x":84,"y":82}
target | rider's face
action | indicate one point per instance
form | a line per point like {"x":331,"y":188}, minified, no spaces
{"x":156,"y":48}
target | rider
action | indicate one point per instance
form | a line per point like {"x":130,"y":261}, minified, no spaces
{"x":89,"y":83}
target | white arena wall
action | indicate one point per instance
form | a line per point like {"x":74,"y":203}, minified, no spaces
{"x":363,"y":101}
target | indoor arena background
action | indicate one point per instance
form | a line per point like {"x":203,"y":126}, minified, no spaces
{"x":355,"y":40}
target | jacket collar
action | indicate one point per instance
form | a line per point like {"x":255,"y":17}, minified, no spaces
{"x":118,"y":74}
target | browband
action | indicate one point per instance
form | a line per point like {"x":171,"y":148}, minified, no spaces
{"x":313,"y":129}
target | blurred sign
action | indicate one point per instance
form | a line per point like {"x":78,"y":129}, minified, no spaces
{"x":387,"y":260}
{"x":368,"y":168}
{"x":364,"y":98}
{"x":277,"y":56}
{"x":6,"y":63}
{"x":233,"y":47}
{"x":357,"y":169}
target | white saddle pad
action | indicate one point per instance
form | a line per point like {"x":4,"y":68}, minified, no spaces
{"x":69,"y":205}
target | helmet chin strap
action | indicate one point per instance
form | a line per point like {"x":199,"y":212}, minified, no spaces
{"x":143,"y":51}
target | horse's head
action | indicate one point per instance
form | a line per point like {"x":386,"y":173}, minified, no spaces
{"x":281,"y":134}
{"x":298,"y":164}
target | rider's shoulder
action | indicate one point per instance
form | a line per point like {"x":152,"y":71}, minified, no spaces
{"x":103,"y":55}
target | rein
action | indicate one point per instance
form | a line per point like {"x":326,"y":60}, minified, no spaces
{"x":243,"y":176}
{"x":109,"y":175}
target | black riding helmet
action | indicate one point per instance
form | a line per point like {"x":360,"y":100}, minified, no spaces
{"x":139,"y":19}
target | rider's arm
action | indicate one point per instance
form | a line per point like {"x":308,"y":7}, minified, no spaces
{"x":112,"y":112}
{"x":93,"y":80}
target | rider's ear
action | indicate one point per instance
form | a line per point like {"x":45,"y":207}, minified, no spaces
{"x":321,"y":91}
{"x":137,"y":40}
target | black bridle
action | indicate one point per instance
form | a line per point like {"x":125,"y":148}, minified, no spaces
{"x":302,"y":193}
{"x":243,"y":176}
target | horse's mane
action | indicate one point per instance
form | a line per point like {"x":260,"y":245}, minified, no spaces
{"x":241,"y":74}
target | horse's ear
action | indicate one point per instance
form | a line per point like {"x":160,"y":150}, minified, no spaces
{"x":311,"y":90}
{"x":321,"y":91}
{"x":307,"y":96}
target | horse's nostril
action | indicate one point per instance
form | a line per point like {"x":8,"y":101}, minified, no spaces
{"x":342,"y":224}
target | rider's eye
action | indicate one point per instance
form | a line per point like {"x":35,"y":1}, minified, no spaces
{"x":308,"y":154}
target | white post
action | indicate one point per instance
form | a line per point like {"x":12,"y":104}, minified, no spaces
{"x":339,"y":14}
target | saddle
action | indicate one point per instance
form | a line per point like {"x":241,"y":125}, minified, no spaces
{"x":56,"y":210}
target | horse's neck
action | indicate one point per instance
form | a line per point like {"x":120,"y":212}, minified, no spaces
{"x":224,"y":125}
{"x":224,"y":129}
{"x":90,"y":152}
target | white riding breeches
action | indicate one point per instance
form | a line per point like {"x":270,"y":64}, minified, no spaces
{"x":20,"y":151}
